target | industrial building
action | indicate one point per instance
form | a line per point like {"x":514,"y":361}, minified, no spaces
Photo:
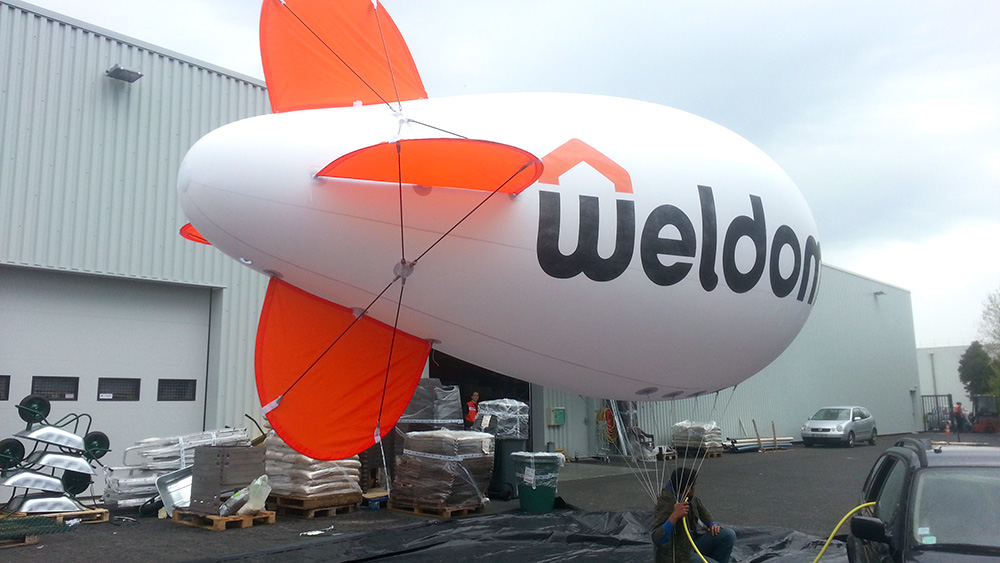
{"x":106,"y":310}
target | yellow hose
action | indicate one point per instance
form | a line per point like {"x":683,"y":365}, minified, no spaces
{"x":839,"y":524}
{"x":684,"y":522}
{"x":821,"y":552}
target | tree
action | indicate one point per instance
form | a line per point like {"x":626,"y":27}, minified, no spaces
{"x":989,"y":325}
{"x":977,"y":373}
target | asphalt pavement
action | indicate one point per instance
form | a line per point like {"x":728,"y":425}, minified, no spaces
{"x":807,"y":490}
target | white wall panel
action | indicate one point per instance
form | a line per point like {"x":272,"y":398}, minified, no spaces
{"x":87,"y":328}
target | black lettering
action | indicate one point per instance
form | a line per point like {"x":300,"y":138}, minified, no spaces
{"x":652,"y":245}
{"x":754,"y":229}
{"x":681,"y":249}
{"x":811,"y":263}
{"x":709,"y":235}
{"x":783,"y":237}
{"x":585,"y":259}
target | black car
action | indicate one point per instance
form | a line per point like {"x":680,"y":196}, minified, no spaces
{"x":933,"y":503}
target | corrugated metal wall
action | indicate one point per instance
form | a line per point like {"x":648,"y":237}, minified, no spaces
{"x":89,"y":169}
{"x":856,"y":348}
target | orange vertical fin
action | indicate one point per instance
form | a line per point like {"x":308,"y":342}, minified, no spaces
{"x":319,"y":54}
{"x":333,"y":410}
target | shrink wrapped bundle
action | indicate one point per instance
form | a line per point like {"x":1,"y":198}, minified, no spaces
{"x":293,"y":474}
{"x":445,"y":467}
{"x":434,"y":405}
{"x":688,"y":434}
{"x":503,"y":418}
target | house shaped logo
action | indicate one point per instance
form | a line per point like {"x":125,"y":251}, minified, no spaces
{"x":573,"y":152}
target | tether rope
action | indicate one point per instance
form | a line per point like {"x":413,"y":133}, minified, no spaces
{"x":403,"y":261}
{"x":388,"y":61}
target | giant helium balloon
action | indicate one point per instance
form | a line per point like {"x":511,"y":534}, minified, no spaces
{"x":603,"y":246}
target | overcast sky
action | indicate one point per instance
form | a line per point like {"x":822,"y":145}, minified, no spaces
{"x":885,"y":114}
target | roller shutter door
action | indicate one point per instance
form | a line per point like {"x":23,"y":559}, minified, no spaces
{"x":132,"y":354}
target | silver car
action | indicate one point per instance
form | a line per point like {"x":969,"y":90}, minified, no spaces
{"x":843,"y":425}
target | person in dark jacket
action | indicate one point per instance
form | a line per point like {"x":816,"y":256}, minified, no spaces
{"x":677,"y":502}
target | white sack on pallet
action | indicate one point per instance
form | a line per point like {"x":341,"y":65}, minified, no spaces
{"x":280,"y":487}
{"x":688,"y":434}
{"x":294,"y":474}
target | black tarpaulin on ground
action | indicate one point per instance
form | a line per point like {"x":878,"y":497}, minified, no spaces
{"x":564,"y":535}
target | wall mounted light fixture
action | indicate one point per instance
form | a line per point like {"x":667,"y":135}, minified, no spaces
{"x":118,"y":72}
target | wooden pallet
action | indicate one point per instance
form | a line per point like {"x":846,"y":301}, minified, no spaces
{"x":666,"y":456}
{"x":322,"y":512}
{"x":93,"y":516}
{"x":375,"y":499}
{"x":219,"y":523}
{"x":316,"y":501}
{"x":715,"y":451}
{"x":17,"y":542}
{"x":314,"y":506}
{"x":437,"y":510}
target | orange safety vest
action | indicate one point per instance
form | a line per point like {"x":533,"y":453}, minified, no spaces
{"x":473,"y":411}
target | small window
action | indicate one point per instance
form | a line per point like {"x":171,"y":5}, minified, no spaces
{"x":118,"y":389}
{"x":56,"y":388}
{"x":176,"y":390}
{"x":4,"y":387}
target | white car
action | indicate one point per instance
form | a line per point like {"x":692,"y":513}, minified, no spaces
{"x":842,"y":425}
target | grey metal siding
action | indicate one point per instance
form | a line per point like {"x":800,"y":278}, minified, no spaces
{"x":88,"y":169}
{"x":90,"y":162}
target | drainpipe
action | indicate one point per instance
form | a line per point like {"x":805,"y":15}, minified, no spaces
{"x":933,"y":375}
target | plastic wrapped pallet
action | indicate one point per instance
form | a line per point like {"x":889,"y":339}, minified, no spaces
{"x":445,"y":467}
{"x":688,"y":434}
{"x":293,"y":474}
{"x":434,"y":405}
{"x":503,"y":418}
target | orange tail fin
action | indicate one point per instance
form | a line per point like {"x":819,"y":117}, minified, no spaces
{"x":320,"y":54}
{"x":331,"y":398}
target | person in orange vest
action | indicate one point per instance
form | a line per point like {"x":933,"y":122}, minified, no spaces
{"x":472,"y":410}
{"x":959,"y":417}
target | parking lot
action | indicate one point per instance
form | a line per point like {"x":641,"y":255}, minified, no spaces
{"x":803,"y":489}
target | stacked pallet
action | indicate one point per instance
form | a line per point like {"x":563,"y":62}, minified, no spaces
{"x":305,"y":487}
{"x":443,"y":473}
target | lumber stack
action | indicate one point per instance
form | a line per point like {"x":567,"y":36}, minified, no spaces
{"x":758,"y":444}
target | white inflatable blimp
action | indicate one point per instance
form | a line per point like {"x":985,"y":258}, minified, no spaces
{"x":608,"y":247}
